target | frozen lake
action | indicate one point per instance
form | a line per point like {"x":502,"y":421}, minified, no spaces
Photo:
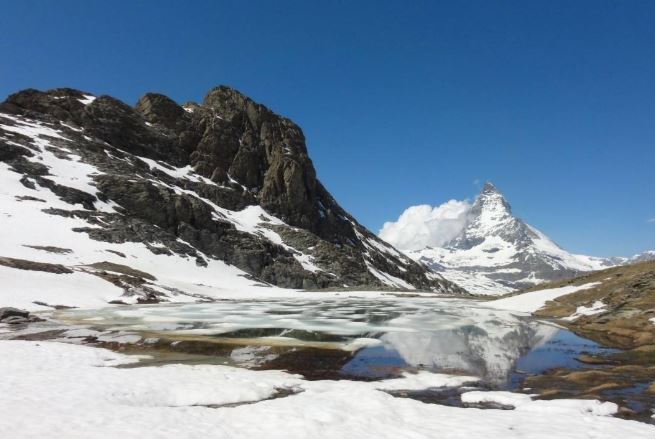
{"x":351,"y":338}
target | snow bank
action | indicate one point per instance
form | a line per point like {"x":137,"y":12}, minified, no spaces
{"x":75,"y":395}
{"x":21,"y":288}
{"x":424,"y":380}
{"x":525,"y":403}
{"x":532,"y":301}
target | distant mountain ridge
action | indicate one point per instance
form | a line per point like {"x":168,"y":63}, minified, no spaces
{"x":497,"y":253}
{"x":648,"y":255}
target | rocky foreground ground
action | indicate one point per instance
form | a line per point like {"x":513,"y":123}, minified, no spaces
{"x":619,"y":312}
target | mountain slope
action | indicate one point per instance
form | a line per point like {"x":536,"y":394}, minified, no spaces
{"x":91,"y":180}
{"x":497,"y":253}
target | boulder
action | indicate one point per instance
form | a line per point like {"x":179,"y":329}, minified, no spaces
{"x":7,"y":313}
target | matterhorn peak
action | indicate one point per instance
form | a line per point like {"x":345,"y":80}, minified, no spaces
{"x":497,"y":253}
{"x":490,"y":200}
{"x":489,"y":188}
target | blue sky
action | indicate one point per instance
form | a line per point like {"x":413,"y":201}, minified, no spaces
{"x":402,"y":103}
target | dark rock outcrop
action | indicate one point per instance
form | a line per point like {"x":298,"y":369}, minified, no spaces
{"x":15,"y":316}
{"x":5,"y":313}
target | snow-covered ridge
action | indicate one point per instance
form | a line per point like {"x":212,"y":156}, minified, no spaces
{"x":648,"y":255}
{"x":28,"y":231}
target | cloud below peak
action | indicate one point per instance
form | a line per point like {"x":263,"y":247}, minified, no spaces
{"x":424,"y":225}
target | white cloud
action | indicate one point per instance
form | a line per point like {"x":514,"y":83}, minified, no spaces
{"x":425,"y":225}
{"x":652,"y":220}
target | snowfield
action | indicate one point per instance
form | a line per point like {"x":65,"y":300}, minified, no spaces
{"x":67,"y":391}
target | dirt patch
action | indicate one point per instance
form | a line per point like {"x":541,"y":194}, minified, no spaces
{"x":28,"y":198}
{"x":122,"y":269}
{"x":50,"y":249}
{"x":57,"y":307}
{"x":122,"y":255}
{"x":23,"y":264}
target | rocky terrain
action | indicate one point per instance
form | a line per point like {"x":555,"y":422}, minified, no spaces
{"x":90,"y":183}
{"x":616,"y":310}
{"x":498,"y":253}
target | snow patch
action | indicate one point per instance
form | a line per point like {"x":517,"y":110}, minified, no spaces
{"x":388,"y":279}
{"x":424,"y":380}
{"x":534,"y":300}
{"x":87,"y":99}
{"x":595,"y":308}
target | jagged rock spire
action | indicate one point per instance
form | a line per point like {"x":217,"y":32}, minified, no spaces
{"x":489,"y":188}
{"x":490,"y":200}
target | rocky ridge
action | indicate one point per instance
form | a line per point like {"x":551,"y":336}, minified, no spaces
{"x":225,"y":180}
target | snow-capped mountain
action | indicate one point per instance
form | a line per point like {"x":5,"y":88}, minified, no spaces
{"x":497,"y":253}
{"x":648,"y":255}
{"x":160,"y":198}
